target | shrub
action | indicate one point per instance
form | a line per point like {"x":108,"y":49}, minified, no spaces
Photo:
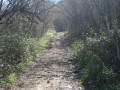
{"x":98,"y":58}
{"x":14,"y":49}
{"x":99,"y":76}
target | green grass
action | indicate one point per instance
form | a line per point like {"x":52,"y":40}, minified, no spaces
{"x":39,"y":44}
{"x":43,"y":41}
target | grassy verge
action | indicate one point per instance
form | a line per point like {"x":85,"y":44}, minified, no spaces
{"x":38,"y":44}
{"x":41,"y":43}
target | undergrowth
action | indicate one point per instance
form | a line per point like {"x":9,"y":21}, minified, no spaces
{"x":16,"y":55}
{"x":98,"y":59}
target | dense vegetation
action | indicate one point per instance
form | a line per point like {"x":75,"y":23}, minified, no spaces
{"x":17,"y":48}
{"x":24,"y":33}
{"x":95,"y":25}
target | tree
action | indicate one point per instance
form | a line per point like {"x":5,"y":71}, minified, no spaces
{"x":30,"y":8}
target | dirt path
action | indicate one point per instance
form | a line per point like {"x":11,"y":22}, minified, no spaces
{"x":52,"y":69}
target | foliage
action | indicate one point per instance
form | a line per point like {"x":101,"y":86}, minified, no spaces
{"x":23,"y":34}
{"x":31,"y":9}
{"x":100,"y":64}
{"x":17,"y":48}
{"x":14,"y":49}
{"x":96,"y":25}
{"x":95,"y":16}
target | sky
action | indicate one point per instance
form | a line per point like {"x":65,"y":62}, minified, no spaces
{"x":56,"y":1}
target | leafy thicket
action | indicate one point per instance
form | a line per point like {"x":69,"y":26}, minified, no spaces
{"x":14,"y":48}
{"x":100,"y":66}
{"x":96,"y":25}
{"x":17,"y":48}
{"x":22,"y":25}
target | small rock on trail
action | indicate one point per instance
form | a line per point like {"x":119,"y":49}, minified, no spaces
{"x":52,"y":69}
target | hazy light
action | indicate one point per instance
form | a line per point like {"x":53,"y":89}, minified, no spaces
{"x":56,"y":1}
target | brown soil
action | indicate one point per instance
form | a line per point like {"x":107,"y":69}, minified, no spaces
{"x":51,"y":70}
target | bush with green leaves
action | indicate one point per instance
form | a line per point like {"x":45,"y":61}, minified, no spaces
{"x":99,"y":60}
{"x":99,"y":76}
{"x":15,"y":48}
{"x":12,"y":48}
